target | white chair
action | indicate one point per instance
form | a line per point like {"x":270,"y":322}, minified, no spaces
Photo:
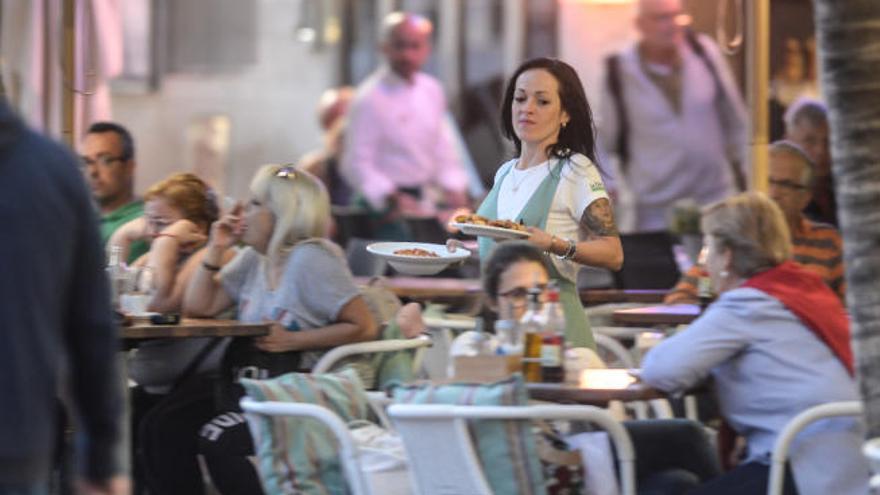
{"x":609,"y":346}
{"x":437,"y":442}
{"x":349,"y":456}
{"x":793,"y":427}
{"x":443,"y":330}
{"x":336,"y":354}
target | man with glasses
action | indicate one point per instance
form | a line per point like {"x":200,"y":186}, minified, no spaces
{"x":816,"y":246}
{"x":108,"y":163}
{"x":673,"y":118}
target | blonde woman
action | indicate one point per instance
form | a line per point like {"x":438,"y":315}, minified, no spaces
{"x":287,"y":274}
{"x":776,"y":342}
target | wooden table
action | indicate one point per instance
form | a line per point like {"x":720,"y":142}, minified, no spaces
{"x":195,"y":327}
{"x":595,"y":394}
{"x":591,"y":297}
{"x":671,"y":314}
{"x":428,"y":287}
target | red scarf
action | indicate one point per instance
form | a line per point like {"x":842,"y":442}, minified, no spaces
{"x":807,"y":296}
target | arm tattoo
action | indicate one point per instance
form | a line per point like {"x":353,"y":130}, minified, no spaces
{"x":598,"y":219}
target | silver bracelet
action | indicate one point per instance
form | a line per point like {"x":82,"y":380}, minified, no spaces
{"x":570,"y":252}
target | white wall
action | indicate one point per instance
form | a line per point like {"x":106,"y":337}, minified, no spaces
{"x":271,"y":105}
{"x":588,"y":31}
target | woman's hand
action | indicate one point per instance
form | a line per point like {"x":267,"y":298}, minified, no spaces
{"x":279,"y":340}
{"x":227,"y":231}
{"x":189,"y":236}
{"x":453,"y":244}
{"x":542,"y":240}
{"x":451,"y":218}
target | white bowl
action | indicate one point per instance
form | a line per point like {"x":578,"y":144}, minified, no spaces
{"x":417,"y":265}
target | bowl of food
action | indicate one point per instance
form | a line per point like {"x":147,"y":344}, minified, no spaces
{"x":417,"y":258}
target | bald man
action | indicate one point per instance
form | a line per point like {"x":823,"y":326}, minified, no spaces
{"x":672,"y":116}
{"x":397,"y":144}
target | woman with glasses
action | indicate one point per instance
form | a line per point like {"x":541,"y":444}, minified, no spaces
{"x":288,"y":274}
{"x":553,"y":186}
{"x":514,"y":267}
{"x":776,"y":342}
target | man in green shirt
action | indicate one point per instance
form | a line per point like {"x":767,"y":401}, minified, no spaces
{"x":107,"y":161}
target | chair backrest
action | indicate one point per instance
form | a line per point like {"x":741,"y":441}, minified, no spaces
{"x":648,"y":261}
{"x":351,"y":222}
{"x":349,"y":456}
{"x":339,"y":353}
{"x":793,"y":427}
{"x":613,"y":353}
{"x":437,"y":442}
{"x":360,"y":261}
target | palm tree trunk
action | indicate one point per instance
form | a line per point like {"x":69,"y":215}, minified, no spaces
{"x":848,"y":32}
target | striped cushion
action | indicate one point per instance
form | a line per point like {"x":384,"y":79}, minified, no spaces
{"x":506,"y":448}
{"x":297,"y":455}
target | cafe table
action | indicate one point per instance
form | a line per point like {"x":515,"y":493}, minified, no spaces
{"x":593,"y":297}
{"x":194,"y":328}
{"x":596,"y":387}
{"x":667,"y":314}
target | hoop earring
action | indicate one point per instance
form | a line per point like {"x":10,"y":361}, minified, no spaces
{"x":724,"y":273}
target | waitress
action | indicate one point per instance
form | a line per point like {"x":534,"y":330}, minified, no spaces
{"x":553,"y":186}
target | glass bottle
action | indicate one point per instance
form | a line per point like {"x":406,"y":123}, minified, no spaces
{"x":531,"y":325}
{"x":115,"y":273}
{"x":553,"y":338}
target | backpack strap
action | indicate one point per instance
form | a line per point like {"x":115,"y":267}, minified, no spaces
{"x":720,"y":95}
{"x":612,"y":72}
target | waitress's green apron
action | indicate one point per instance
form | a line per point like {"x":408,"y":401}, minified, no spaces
{"x":534,"y":214}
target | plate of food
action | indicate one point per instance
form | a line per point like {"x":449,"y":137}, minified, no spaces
{"x":497,"y":229}
{"x":417,"y":258}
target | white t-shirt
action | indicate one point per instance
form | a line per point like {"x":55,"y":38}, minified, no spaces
{"x":315,"y":286}
{"x":579,"y":185}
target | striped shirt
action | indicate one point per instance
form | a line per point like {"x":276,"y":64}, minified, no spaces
{"x":816,"y":246}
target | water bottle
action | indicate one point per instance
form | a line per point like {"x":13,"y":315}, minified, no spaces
{"x":115,"y":273}
{"x":510,"y":341}
{"x":553,"y":338}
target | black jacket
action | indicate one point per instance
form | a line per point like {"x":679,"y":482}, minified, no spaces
{"x":55,"y":310}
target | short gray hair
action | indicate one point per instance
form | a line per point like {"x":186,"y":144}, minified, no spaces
{"x":790,"y":148}
{"x":753,"y":227}
{"x":813,"y":111}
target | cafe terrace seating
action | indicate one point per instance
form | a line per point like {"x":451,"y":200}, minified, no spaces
{"x":795,"y":426}
{"x":438,"y":442}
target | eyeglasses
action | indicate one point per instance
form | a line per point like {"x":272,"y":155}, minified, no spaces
{"x":286,"y":172}
{"x":103,"y":160}
{"x":787,"y":184}
{"x":519,"y":295}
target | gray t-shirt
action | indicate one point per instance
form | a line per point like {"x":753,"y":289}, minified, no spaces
{"x":315,"y":286}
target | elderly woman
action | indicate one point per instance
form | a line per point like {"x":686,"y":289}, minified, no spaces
{"x":776,"y":342}
{"x":288,"y":274}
